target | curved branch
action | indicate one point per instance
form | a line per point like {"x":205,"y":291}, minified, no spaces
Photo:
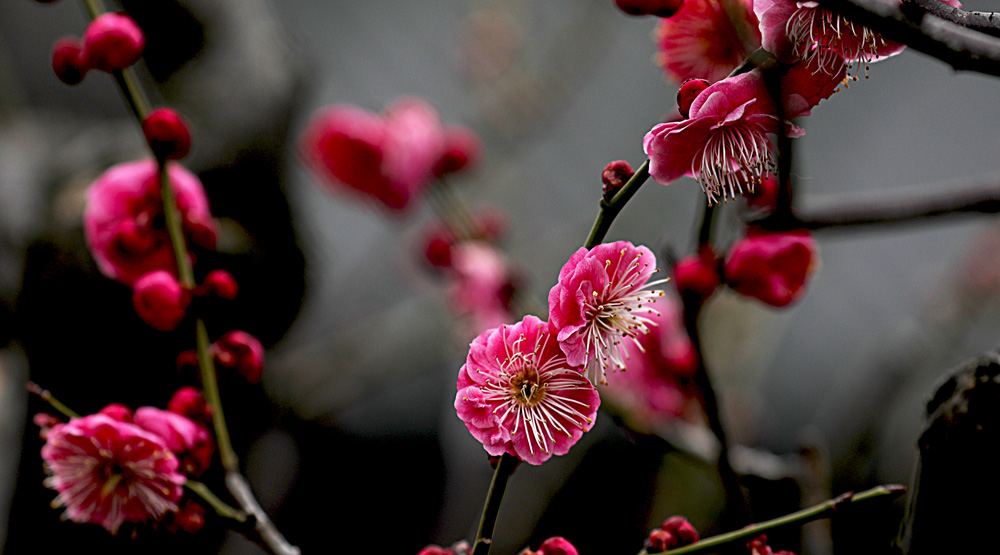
{"x":984,"y":22}
{"x":953,"y":44}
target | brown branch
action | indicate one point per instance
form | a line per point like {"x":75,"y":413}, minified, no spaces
{"x":953,"y":44}
{"x":984,"y":22}
{"x":907,"y":206}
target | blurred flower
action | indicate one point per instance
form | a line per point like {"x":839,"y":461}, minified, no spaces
{"x":650,"y":393}
{"x":764,"y":194}
{"x":109,"y":472}
{"x":661,"y":8}
{"x":615,"y":175}
{"x":242,"y":351}
{"x":601,"y":303}
{"x":771,"y":267}
{"x":112,"y":41}
{"x":675,"y":532}
{"x":462,"y":150}
{"x":117,"y":411}
{"x":555,"y":545}
{"x":167,"y":134}
{"x":758,"y":546}
{"x":480,"y":282}
{"x":390,"y":157}
{"x":707,"y":39}
{"x":794,"y":31}
{"x":160,"y":300}
{"x":123,"y":220}
{"x":457,"y":548}
{"x":698,"y":273}
{"x":67,"y":60}
{"x":517,"y":394}
{"x":189,"y":519}
{"x":188,"y":440}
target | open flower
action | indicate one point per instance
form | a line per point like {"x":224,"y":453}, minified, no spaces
{"x":724,"y":144}
{"x":795,"y":30}
{"x":601,"y":301}
{"x":123,"y":219}
{"x":705,"y":40}
{"x":109,"y":472}
{"x":517,"y":393}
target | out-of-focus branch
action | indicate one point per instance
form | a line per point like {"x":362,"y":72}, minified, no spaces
{"x":953,"y":44}
{"x":977,"y":196}
{"x":984,"y":22}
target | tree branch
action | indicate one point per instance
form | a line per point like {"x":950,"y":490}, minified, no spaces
{"x":984,"y":22}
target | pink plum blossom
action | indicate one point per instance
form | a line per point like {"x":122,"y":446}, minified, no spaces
{"x":650,"y":393}
{"x":772,"y":267}
{"x":724,"y":144}
{"x":803,"y":30}
{"x":518,"y":394}
{"x":109,"y":472}
{"x":480,"y":282}
{"x":601,"y":303}
{"x":188,"y":440}
{"x":390,"y":158}
{"x":123,"y":220}
{"x":701,"y":40}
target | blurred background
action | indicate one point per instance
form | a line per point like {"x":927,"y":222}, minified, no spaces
{"x":352,"y":442}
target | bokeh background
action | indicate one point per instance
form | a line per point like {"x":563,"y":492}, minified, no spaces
{"x":352,"y":443}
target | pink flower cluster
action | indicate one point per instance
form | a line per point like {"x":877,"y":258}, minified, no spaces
{"x":112,"y":42}
{"x":389,"y":157}
{"x":114,"y":467}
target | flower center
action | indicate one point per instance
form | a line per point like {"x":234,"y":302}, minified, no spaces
{"x":826,"y":37}
{"x":526,"y":391}
{"x":734,"y":156}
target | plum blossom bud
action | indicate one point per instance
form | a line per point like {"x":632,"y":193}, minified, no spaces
{"x":118,"y":412}
{"x":437,"y":247}
{"x":689,"y":90}
{"x":242,"y":351}
{"x":220,"y":283}
{"x":771,"y":267}
{"x":698,"y":274}
{"x":661,"y":8}
{"x":187,"y":359}
{"x":189,"y":519}
{"x":160,"y":300}
{"x":555,"y":545}
{"x":112,"y":41}
{"x":45,"y":422}
{"x":758,"y":546}
{"x":167,"y":134}
{"x":615,"y":175}
{"x":67,"y":60}
{"x":462,"y":150}
{"x":675,"y":532}
{"x":458,"y":548}
{"x":190,"y":402}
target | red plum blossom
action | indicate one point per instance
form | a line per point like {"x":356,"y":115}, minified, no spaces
{"x":702,"y":41}
{"x":517,"y":393}
{"x":188,"y":440}
{"x":772,"y":267}
{"x":109,"y":472}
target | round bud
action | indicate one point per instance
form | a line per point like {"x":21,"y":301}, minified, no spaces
{"x":463,"y":149}
{"x":112,"y":41}
{"x":221,"y":284}
{"x":615,"y":175}
{"x":160,"y":300}
{"x":689,"y":90}
{"x":117,"y":411}
{"x":67,"y":61}
{"x":167,"y":134}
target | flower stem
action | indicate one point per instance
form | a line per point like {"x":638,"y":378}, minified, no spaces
{"x":46,"y":396}
{"x":210,"y":384}
{"x":174,"y":227}
{"x":484,"y":536}
{"x":609,"y":209}
{"x":219,"y":506}
{"x":826,"y":509}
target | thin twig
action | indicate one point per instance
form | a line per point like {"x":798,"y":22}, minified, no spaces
{"x":484,"y":536}
{"x":984,"y":22}
{"x":609,"y":209}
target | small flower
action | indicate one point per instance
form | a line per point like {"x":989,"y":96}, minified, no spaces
{"x":123,"y":219}
{"x":167,"y":134}
{"x":771,"y":267}
{"x":556,"y":545}
{"x":675,"y":532}
{"x":517,"y":393}
{"x":795,"y":30}
{"x":479,"y":280}
{"x":390,"y":157}
{"x":462,"y":150}
{"x":651,"y":393}
{"x":109,"y":472}
{"x":698,"y":274}
{"x":601,"y":302}
{"x":67,"y":61}
{"x":112,"y":41}
{"x":702,"y":41}
{"x":160,"y":300}
{"x":724,"y":143}
{"x":242,"y":351}
{"x":188,"y":440}
{"x":190,"y":402}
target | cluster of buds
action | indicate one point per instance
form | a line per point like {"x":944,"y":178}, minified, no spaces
{"x":675,"y":532}
{"x":237,"y":350}
{"x":112,"y":42}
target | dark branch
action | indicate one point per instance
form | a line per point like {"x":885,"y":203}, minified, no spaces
{"x":977,"y":196}
{"x":961,"y":48}
{"x":984,"y":22}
